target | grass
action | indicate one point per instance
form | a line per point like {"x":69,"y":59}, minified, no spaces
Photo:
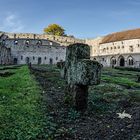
{"x":20,"y":115}
{"x":116,"y":86}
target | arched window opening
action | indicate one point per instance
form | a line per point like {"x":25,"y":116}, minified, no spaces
{"x":21,"y":57}
{"x":51,"y":61}
{"x":15,"y":42}
{"x":39,"y":61}
{"x":27,"y":42}
{"x":27,"y":60}
{"x":39,"y":42}
{"x":130,"y":61}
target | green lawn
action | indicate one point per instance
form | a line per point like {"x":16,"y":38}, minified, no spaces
{"x":115,"y":86}
{"x":21,"y":111}
{"x":20,"y":114}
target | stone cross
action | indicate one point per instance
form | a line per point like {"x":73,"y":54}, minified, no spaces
{"x":80,"y":72}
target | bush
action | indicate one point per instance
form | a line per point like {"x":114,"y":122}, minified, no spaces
{"x":128,"y":68}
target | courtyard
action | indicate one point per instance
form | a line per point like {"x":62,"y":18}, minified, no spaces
{"x":33,"y":105}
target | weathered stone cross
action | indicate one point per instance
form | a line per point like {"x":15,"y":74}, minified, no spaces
{"x":80,"y":72}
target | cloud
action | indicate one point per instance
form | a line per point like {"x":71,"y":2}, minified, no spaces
{"x":11,"y":23}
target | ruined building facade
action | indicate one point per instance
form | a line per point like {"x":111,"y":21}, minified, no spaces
{"x":35,"y":48}
{"x":117,"y":49}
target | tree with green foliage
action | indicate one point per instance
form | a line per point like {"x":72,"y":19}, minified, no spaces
{"x":54,"y":29}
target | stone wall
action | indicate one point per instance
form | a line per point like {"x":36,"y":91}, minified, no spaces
{"x":114,"y":53}
{"x":61,"y":39}
{"x":94,"y":45}
{"x":37,"y":48}
{"x":5,"y":55}
{"x":34,"y":51}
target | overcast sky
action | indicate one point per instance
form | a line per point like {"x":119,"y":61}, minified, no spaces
{"x":81,"y":18}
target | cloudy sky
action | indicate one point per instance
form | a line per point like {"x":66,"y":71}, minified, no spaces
{"x":81,"y":18}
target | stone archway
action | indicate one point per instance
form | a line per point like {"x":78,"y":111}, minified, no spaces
{"x":121,"y":61}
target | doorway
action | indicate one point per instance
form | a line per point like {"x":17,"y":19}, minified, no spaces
{"x":39,"y":60}
{"x":15,"y":61}
{"x":122,"y":62}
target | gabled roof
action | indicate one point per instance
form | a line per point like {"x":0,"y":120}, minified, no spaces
{"x":120,"y":36}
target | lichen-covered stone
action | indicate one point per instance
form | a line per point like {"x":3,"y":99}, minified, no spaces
{"x":84,"y":72}
{"x":80,"y":72}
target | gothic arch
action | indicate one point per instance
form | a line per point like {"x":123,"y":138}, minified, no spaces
{"x":113,"y":61}
{"x":121,"y":61}
{"x":130,"y":60}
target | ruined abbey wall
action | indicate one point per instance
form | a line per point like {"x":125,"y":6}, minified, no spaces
{"x":37,"y":48}
{"x":63,"y":40}
{"x":49,"y":49}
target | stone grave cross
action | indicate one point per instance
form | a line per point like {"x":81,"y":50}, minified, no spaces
{"x":80,"y":72}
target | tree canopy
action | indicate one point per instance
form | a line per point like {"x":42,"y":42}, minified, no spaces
{"x":54,"y":29}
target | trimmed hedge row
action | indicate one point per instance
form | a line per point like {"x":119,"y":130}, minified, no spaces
{"x":128,"y":68}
